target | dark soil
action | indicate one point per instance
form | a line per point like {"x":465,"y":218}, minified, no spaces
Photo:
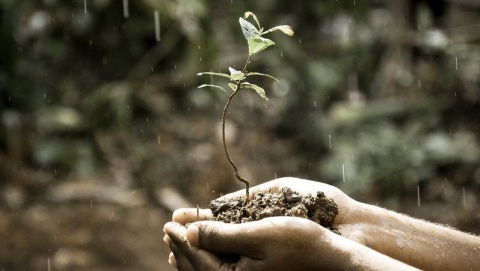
{"x":317,"y":208}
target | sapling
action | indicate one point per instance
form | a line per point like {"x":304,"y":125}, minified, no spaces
{"x":256,"y":43}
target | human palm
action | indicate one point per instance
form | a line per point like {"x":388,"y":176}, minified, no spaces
{"x":346,"y":221}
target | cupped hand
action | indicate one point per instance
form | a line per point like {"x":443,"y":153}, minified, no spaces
{"x":348,"y":221}
{"x":275,"y":243}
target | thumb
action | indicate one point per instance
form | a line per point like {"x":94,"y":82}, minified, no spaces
{"x":223,"y":238}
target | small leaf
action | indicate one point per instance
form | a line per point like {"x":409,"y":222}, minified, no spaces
{"x":284,"y":28}
{"x":258,"y":44}
{"x":249,"y":13}
{"x":262,"y":74}
{"x":215,"y":73}
{"x":248,"y":29}
{"x":233,"y":86}
{"x":236,"y":75}
{"x":260,"y":91}
{"x":212,"y":86}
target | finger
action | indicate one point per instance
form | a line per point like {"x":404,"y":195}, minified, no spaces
{"x":177,"y":241}
{"x":177,"y":235}
{"x":224,"y":238}
{"x":167,"y":240}
{"x":172,"y":260}
{"x":180,"y":258}
{"x":191,"y":258}
{"x":190,"y":215}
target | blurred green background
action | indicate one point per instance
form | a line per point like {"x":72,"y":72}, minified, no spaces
{"x":103,"y":132}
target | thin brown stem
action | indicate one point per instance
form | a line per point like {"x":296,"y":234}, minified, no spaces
{"x":224,"y":116}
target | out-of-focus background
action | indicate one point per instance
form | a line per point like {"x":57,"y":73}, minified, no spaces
{"x":103,"y":131}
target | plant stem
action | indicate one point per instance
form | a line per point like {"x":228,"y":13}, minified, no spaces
{"x":224,"y":115}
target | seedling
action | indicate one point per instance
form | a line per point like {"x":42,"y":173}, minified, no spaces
{"x":256,"y":44}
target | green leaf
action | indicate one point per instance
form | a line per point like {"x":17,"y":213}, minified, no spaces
{"x":284,"y":28}
{"x":249,"y":13}
{"x":212,"y":86}
{"x":233,"y":86}
{"x":248,"y":29}
{"x":258,"y":44}
{"x":262,"y":74}
{"x":260,"y":91}
{"x":236,"y":75}
{"x":216,"y":73}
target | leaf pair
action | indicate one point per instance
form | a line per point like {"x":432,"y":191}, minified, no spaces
{"x":237,"y":77}
{"x":256,"y":43}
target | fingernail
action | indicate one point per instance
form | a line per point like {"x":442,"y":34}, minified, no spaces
{"x":193,"y":233}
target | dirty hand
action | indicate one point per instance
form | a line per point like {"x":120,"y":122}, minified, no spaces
{"x":275,"y":243}
{"x":348,"y":221}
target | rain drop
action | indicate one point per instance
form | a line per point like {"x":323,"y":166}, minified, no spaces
{"x":343,"y":172}
{"x":159,"y":140}
{"x":85,"y":5}
{"x":157,"y":26}
{"x":315,"y":104}
{"x":330,"y":141}
{"x":464,"y":200}
{"x":126,"y":12}
{"x":456,"y":63}
{"x":48,"y":264}
{"x":418,"y":195}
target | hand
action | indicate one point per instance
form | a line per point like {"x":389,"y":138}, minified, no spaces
{"x":276,"y":243}
{"x":348,"y":221}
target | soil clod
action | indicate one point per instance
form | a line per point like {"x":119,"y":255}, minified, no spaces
{"x":317,"y":208}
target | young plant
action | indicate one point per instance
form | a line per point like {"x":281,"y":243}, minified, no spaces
{"x":256,"y":44}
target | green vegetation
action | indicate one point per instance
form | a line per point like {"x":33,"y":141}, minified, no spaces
{"x":98,"y":114}
{"x":381,"y":95}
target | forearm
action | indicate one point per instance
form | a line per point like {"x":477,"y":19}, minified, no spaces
{"x":419,"y":243}
{"x":355,"y":256}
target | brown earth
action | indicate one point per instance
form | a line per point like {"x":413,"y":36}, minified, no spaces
{"x":317,"y":208}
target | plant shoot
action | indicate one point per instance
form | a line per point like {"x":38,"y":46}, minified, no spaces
{"x":256,"y":43}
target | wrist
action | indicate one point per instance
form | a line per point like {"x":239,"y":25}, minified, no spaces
{"x":345,"y":254}
{"x":331,"y":252}
{"x":354,"y":221}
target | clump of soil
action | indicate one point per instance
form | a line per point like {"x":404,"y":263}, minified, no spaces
{"x":317,"y":208}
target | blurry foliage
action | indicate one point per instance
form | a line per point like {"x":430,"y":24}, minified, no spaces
{"x":386,"y":100}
